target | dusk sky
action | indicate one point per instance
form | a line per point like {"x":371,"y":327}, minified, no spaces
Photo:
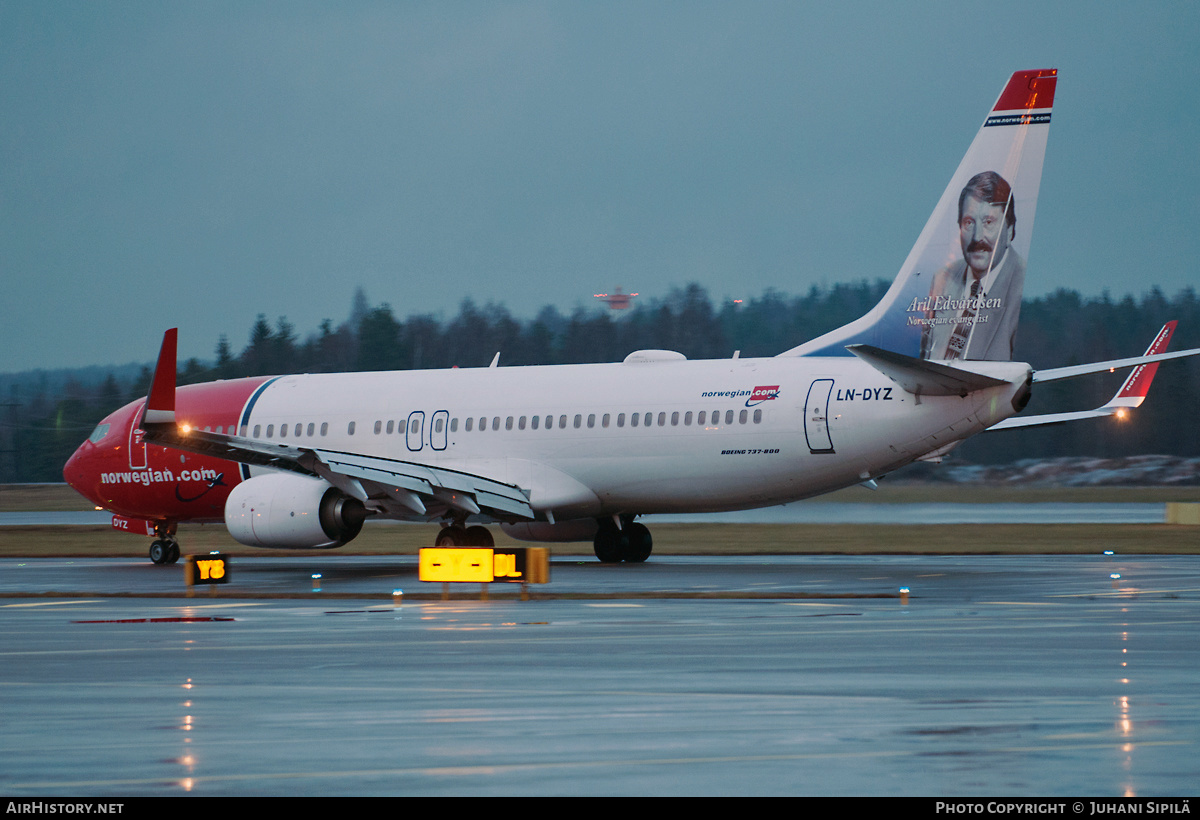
{"x":195,"y":164}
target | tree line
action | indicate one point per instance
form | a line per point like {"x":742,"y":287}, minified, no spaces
{"x":43,"y":420}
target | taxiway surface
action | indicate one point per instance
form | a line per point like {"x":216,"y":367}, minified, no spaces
{"x":1002,"y":675}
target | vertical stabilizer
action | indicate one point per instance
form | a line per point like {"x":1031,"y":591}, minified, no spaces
{"x":958,"y":294}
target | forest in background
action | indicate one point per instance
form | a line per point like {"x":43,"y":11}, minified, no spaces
{"x":45,"y":415}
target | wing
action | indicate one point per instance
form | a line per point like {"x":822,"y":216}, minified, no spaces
{"x":1132,"y":393}
{"x":401,"y":489}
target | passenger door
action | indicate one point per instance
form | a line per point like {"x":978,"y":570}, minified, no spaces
{"x":816,"y":416}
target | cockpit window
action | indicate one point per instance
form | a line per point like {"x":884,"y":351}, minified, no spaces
{"x":99,"y":433}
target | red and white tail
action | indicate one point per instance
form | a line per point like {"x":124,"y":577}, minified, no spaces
{"x":958,"y":294}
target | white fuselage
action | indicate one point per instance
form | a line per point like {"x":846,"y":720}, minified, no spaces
{"x":636,"y":438}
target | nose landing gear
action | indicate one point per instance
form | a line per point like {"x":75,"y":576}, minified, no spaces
{"x":164,"y":549}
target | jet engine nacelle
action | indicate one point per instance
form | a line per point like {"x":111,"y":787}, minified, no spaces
{"x":291,"y":511}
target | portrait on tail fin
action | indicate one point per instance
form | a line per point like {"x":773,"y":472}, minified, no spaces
{"x":974,"y":303}
{"x":957,"y":296}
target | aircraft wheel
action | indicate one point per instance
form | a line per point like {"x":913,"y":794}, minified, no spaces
{"x":160,"y":552}
{"x":609,"y":545}
{"x":173,"y":553}
{"x":640,"y":543}
{"x":451,"y":537}
{"x":479,"y":536}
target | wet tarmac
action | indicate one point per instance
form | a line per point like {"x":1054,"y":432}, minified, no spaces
{"x":806,"y":512}
{"x":1000,"y":675}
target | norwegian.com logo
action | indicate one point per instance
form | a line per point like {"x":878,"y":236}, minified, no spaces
{"x":761,"y":394}
{"x":757,"y":396}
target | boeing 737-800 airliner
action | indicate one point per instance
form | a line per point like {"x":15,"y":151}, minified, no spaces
{"x":577,"y":452}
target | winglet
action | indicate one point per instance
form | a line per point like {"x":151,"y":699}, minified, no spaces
{"x":160,"y":404}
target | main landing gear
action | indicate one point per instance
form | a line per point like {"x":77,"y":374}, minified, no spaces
{"x":164,"y":549}
{"x":458,"y":535}
{"x":630,"y":543}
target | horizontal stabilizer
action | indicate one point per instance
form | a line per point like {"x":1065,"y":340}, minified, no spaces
{"x":922,"y":377}
{"x":1132,"y":393}
{"x":1058,"y":373}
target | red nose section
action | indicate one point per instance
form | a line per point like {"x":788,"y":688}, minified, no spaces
{"x":75,"y":472}
{"x":117,"y":470}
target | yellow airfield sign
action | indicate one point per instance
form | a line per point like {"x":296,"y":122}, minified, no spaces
{"x":482,"y":565}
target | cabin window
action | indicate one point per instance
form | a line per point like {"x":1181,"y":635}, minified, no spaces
{"x":282,"y":431}
{"x":521,"y":423}
{"x":675,"y":419}
{"x":729,"y":417}
{"x":662,"y":419}
{"x":620,"y":419}
{"x":508,"y":423}
{"x":391,"y":426}
{"x":257,"y":430}
{"x":633,"y":420}
{"x":591,"y":420}
{"x":604,"y":421}
{"x":350,"y":429}
{"x":270,"y":431}
{"x":758,"y":416}
{"x":311,"y":427}
{"x":482,"y":423}
{"x":562,"y":422}
{"x":578,"y":421}
{"x":700,"y":418}
{"x":437,"y":424}
{"x":470,"y":423}
{"x":324,"y":428}
{"x":454,"y":425}
{"x":687,"y":419}
{"x":742,"y":417}
{"x":534,"y":421}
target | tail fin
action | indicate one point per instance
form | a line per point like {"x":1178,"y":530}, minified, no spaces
{"x":958,"y":294}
